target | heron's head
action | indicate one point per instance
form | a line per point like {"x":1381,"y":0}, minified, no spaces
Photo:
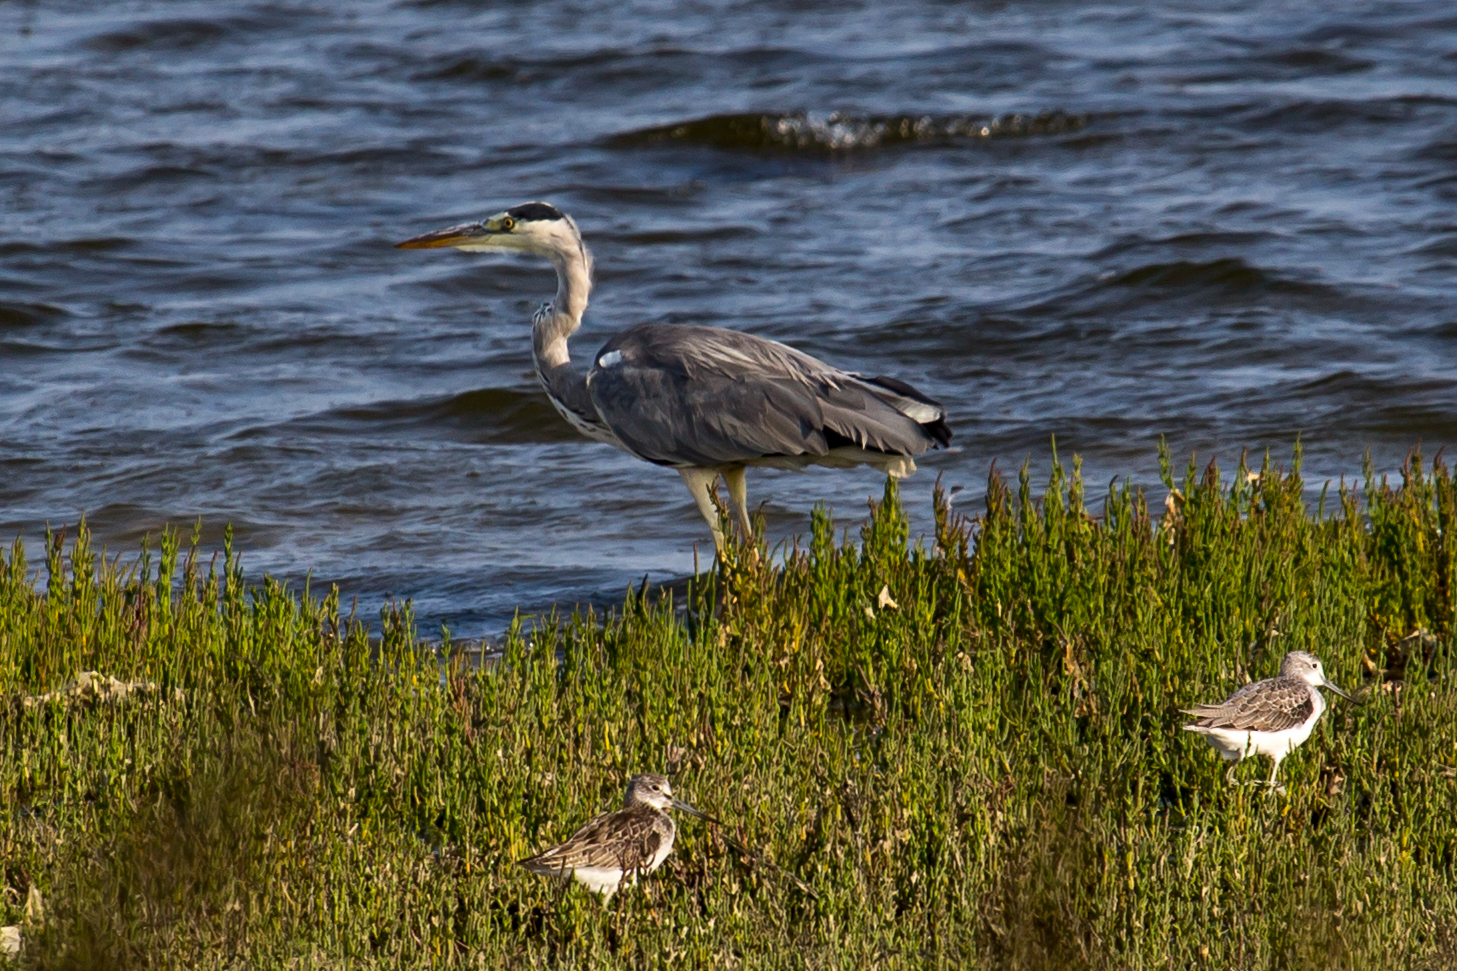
{"x":532,"y":227}
{"x":1307,"y":667}
{"x":651,"y":789}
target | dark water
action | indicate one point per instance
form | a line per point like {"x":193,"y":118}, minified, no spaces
{"x":1226,"y":223}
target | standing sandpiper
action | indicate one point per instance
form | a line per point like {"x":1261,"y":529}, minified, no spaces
{"x":612,"y":849}
{"x":1269,"y":717}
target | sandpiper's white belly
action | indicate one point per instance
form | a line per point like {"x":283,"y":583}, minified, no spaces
{"x":608,"y":880}
{"x":599,"y":879}
{"x":1234,"y":745}
{"x":664,"y":849}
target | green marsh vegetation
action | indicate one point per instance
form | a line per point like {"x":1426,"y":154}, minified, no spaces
{"x":983,"y":767}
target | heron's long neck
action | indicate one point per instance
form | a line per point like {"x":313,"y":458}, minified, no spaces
{"x":573,"y":284}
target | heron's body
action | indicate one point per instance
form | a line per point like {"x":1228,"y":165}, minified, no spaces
{"x":613,"y":849}
{"x":706,"y":401}
{"x":1271,"y":717}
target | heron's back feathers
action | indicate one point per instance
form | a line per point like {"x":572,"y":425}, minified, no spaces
{"x":703,"y":396}
{"x":926,"y":412}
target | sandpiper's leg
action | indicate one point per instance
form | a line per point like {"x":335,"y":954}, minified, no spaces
{"x":1273,"y":770}
{"x":652,"y":894}
{"x":739,"y":499}
{"x":1229,"y":776}
{"x":701,"y":484}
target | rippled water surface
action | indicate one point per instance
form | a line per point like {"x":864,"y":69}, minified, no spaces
{"x":1224,"y":223}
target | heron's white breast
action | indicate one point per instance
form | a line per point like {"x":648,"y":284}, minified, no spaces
{"x":598,"y":432}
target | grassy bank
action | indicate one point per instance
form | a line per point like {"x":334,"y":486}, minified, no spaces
{"x":988,"y":773}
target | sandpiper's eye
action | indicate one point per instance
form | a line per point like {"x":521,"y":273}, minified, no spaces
{"x":507,"y":224}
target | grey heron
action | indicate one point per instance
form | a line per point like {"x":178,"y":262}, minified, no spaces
{"x":706,"y":401}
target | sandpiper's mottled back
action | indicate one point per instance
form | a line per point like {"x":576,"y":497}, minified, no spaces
{"x":1269,"y":717}
{"x":612,"y":849}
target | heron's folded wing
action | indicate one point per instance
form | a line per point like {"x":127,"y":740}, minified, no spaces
{"x":923,"y":410}
{"x":703,"y":396}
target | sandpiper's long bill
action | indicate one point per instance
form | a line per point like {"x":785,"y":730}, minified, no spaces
{"x":1270,"y":717}
{"x":611,"y":850}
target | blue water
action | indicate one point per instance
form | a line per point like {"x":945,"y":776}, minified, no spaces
{"x":1224,"y":223}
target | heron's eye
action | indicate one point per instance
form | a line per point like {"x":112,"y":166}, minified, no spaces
{"x":507,"y":224}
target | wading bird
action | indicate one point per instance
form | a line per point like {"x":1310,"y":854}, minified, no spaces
{"x":705,"y":401}
{"x":613,"y":849}
{"x":1269,"y":717}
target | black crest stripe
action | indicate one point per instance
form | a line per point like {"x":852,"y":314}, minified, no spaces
{"x":533,"y":211}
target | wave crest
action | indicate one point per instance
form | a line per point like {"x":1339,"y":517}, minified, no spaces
{"x":835,"y":132}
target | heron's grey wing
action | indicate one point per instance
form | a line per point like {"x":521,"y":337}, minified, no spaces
{"x":1264,"y":706}
{"x":623,"y":839}
{"x":926,"y":412}
{"x":680,"y":395}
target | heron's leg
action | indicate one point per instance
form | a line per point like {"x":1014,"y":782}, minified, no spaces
{"x":701,"y":483}
{"x":739,"y":498}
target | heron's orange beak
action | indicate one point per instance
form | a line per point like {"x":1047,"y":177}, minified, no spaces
{"x":454,"y":236}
